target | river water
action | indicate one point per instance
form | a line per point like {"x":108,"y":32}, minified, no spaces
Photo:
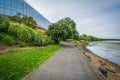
{"x":106,"y":49}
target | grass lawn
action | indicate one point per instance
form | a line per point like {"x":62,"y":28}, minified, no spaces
{"x":15,"y":64}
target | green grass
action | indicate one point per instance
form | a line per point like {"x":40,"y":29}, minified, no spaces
{"x":15,"y":64}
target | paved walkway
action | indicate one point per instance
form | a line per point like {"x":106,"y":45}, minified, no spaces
{"x":66,"y":64}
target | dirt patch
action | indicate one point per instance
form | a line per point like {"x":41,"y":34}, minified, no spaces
{"x":4,"y":47}
{"x":113,"y":70}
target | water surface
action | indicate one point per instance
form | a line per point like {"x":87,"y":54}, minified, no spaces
{"x":106,"y":49}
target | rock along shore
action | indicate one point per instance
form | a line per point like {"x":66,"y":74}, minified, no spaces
{"x":109,"y":69}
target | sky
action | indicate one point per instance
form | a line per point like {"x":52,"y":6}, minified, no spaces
{"x":100,"y":18}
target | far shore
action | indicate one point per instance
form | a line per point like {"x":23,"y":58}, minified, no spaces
{"x":113,"y":70}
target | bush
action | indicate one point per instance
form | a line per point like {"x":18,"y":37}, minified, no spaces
{"x":1,"y":18}
{"x":21,"y":32}
{"x":25,"y":35}
{"x":7,"y":39}
{"x":14,"y":29}
{"x":46,"y":40}
{"x":38,"y":37}
{"x":4,"y":26}
{"x":22,"y":44}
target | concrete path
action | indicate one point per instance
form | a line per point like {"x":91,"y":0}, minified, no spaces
{"x":66,"y":64}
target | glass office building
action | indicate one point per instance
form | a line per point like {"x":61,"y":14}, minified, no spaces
{"x":22,"y":8}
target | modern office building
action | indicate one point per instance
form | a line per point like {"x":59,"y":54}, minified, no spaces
{"x":22,"y":8}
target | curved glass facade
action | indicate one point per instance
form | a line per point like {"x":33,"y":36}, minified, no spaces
{"x":21,"y":8}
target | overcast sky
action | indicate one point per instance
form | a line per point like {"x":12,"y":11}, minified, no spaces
{"x":99,"y":18}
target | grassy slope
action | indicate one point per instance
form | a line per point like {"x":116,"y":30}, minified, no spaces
{"x":15,"y":64}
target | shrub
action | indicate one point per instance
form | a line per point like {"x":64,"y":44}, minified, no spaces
{"x":38,"y":37}
{"x":25,"y":35}
{"x":22,"y":44}
{"x":1,"y":18}
{"x":21,"y":32}
{"x":46,"y":40}
{"x":32,"y":32}
{"x":14,"y":29}
{"x":7,"y":39}
{"x":4,"y":26}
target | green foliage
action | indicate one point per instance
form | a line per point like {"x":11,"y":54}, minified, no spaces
{"x":38,"y":36}
{"x":14,"y":29}
{"x":46,"y":40}
{"x":58,"y":32}
{"x":24,"y":34}
{"x":21,"y":33}
{"x":72,"y":25}
{"x":22,"y":44}
{"x":7,"y":39}
{"x":15,"y":64}
{"x":29,"y":21}
{"x":62,"y":30}
{"x":16,"y":19}
{"x":88,"y":38}
{"x":1,"y":19}
{"x":4,"y":26}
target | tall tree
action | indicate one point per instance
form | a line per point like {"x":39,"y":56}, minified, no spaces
{"x":62,"y":30}
{"x":59,"y":31}
{"x":70,"y":23}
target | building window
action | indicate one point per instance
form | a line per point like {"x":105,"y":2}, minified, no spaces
{"x":2,"y":1}
{"x":1,"y":10}
{"x":1,"y":5}
{"x":7,"y":12}
{"x":8,"y":2}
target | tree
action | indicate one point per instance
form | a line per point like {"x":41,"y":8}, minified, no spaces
{"x":88,"y":38}
{"x":62,"y":30}
{"x":16,"y":19}
{"x":70,"y":23}
{"x":29,"y":21}
{"x":59,"y":31}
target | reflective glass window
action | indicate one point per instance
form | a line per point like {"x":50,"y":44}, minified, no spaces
{"x":1,"y":10}
{"x":7,"y":7}
{"x":25,"y":12}
{"x":25,"y":6}
{"x":7,"y":12}
{"x":20,"y":6}
{"x":13,"y":13}
{"x":28,"y":10}
{"x":31,"y":12}
{"x":1,"y":1}
{"x":20,"y":1}
{"x":14,"y":4}
{"x":1,"y":5}
{"x":19,"y":14}
{"x":8,"y":2}
{"x":20,"y":11}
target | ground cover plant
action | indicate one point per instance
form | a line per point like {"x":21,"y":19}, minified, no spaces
{"x":15,"y":64}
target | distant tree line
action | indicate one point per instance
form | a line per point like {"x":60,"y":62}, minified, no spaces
{"x":88,"y":38}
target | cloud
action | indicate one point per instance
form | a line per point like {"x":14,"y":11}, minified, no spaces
{"x":96,"y":17}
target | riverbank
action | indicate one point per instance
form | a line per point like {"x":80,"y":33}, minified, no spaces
{"x":113,"y":70}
